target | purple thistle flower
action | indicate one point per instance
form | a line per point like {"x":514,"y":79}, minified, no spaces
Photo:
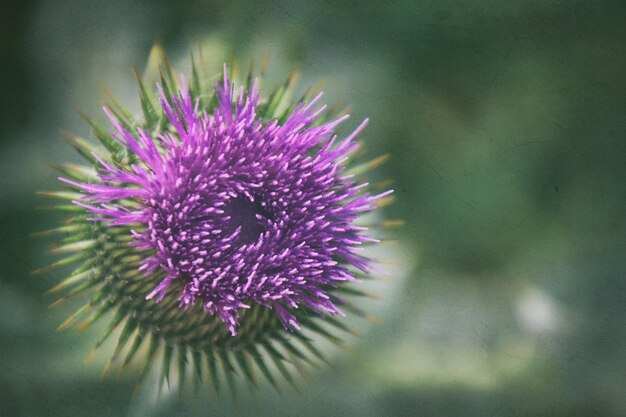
{"x":238,"y":209}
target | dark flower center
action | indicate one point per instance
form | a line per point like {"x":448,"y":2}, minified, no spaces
{"x":249,"y":215}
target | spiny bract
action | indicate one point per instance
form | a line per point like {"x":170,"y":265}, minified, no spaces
{"x":213,"y":221}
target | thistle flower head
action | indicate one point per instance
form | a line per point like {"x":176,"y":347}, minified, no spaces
{"x":216,"y":213}
{"x":239,"y":209}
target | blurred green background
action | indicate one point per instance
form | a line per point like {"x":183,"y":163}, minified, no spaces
{"x":506,"y":122}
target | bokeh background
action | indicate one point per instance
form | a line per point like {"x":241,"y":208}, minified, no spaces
{"x":506,"y":124}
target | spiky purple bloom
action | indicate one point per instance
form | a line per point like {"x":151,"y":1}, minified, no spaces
{"x":240,"y":210}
